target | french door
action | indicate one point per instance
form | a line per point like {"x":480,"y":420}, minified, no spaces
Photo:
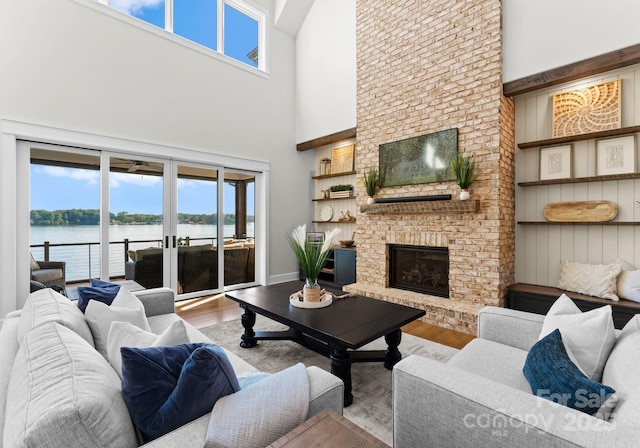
{"x":156,"y":221}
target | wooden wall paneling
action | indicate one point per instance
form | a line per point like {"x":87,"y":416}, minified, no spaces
{"x":636,"y":246}
{"x":544,"y":115}
{"x":610,"y":233}
{"x":530,"y":262}
{"x":580,"y":162}
{"x":542,"y":237}
{"x":594,"y":232}
{"x":567,"y":233}
{"x":594,"y":244}
{"x":625,"y":189}
{"x":532,"y":157}
{"x":554,"y":256}
{"x":636,"y":200}
{"x":628,"y":102}
{"x":626,"y":244}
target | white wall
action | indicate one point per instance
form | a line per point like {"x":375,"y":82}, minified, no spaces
{"x":544,"y":34}
{"x":326,"y":70}
{"x":69,"y":66}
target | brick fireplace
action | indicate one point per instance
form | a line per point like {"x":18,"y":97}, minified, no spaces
{"x":425,"y":67}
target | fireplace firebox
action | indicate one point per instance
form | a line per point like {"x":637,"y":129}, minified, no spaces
{"x":420,"y":269}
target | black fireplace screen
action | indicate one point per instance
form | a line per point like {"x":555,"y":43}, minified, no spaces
{"x":420,"y":269}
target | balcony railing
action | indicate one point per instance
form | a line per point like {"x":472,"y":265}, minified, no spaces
{"x":83,"y":259}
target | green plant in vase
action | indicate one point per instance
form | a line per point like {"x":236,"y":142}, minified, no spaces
{"x":312,"y":255}
{"x":463,"y":168}
{"x":371,"y":182}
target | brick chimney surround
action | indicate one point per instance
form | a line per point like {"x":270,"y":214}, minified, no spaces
{"x":424,"y":67}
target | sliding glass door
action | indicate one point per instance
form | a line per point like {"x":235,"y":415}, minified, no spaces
{"x":239,"y":228}
{"x":196,"y":229}
{"x":153,"y":221}
{"x":136,"y":217}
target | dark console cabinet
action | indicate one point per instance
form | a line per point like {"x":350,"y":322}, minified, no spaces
{"x":339,"y":269}
{"x":538,"y":299}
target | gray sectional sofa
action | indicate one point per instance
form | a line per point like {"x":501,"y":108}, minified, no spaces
{"x":56,"y":390}
{"x":480,"y":398}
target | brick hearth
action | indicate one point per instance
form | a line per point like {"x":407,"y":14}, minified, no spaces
{"x":426,"y":67}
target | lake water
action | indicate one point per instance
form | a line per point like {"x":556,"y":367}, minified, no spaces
{"x":83,"y":261}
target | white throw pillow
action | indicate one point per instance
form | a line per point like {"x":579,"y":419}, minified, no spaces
{"x":124,"y":334}
{"x":628,"y":281}
{"x":125,"y":308}
{"x":589,"y":336}
{"x":598,"y":280}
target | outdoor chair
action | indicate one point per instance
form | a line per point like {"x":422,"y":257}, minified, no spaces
{"x":49,"y":273}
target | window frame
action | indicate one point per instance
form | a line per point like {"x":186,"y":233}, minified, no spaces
{"x":248,"y":7}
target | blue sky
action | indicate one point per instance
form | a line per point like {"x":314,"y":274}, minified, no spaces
{"x":57,"y":188}
{"x":196,"y":21}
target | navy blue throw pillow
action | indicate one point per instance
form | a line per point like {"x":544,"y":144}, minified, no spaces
{"x":101,"y":283}
{"x":167,"y":387}
{"x":552,"y":375}
{"x":99,"y":290}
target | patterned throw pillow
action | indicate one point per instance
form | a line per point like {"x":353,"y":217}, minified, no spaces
{"x":598,"y":280}
{"x":553,"y":376}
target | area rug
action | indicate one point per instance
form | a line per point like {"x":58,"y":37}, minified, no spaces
{"x":372,"y":399}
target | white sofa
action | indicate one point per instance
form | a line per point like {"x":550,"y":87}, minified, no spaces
{"x":480,"y":397}
{"x":56,"y":390}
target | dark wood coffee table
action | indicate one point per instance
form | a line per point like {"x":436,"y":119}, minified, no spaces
{"x":336,"y":331}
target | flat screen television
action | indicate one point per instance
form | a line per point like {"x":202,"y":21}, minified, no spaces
{"x":418,"y":160}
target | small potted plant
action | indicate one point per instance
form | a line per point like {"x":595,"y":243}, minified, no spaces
{"x":463,"y":168}
{"x":371,"y":180}
{"x":340,"y":191}
{"x":312,"y":255}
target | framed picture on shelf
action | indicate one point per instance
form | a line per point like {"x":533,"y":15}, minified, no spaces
{"x":315,"y":237}
{"x":342,"y":159}
{"x":555,"y":162}
{"x":616,"y":155}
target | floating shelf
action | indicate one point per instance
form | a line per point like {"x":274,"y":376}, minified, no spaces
{"x":576,"y":138}
{"x":423,"y":207}
{"x":332,"y":199}
{"x":575,"y":180}
{"x":328,"y":176}
{"x":333,"y":222}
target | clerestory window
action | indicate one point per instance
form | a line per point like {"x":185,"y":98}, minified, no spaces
{"x":234,"y":28}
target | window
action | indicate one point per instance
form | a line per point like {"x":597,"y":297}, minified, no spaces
{"x":240,"y":36}
{"x":234,"y":28}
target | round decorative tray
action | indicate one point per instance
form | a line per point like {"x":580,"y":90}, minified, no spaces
{"x":326,"y":300}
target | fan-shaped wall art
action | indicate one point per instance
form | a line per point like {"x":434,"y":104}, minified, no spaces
{"x":592,"y":109}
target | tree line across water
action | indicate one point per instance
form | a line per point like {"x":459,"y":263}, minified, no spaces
{"x":89,"y":217}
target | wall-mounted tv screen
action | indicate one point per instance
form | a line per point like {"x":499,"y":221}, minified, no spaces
{"x":418,"y":160}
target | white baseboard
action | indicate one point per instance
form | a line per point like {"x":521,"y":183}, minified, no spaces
{"x":281,"y":278}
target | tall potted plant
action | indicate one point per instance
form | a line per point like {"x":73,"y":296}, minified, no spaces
{"x":371,"y":182}
{"x":311,"y":255}
{"x":463,"y":168}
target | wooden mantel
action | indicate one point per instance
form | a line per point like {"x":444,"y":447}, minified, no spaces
{"x":422,"y":207}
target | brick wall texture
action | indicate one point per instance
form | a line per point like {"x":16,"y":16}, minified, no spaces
{"x":425,"y":67}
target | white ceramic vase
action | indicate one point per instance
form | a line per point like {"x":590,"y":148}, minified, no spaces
{"x":371,"y":200}
{"x":464,"y":195}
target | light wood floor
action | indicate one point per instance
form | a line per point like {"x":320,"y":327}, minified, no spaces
{"x":206,"y":311}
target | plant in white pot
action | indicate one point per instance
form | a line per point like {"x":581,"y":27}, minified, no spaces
{"x":371,"y":181}
{"x":312,"y":255}
{"x":463,"y":168}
